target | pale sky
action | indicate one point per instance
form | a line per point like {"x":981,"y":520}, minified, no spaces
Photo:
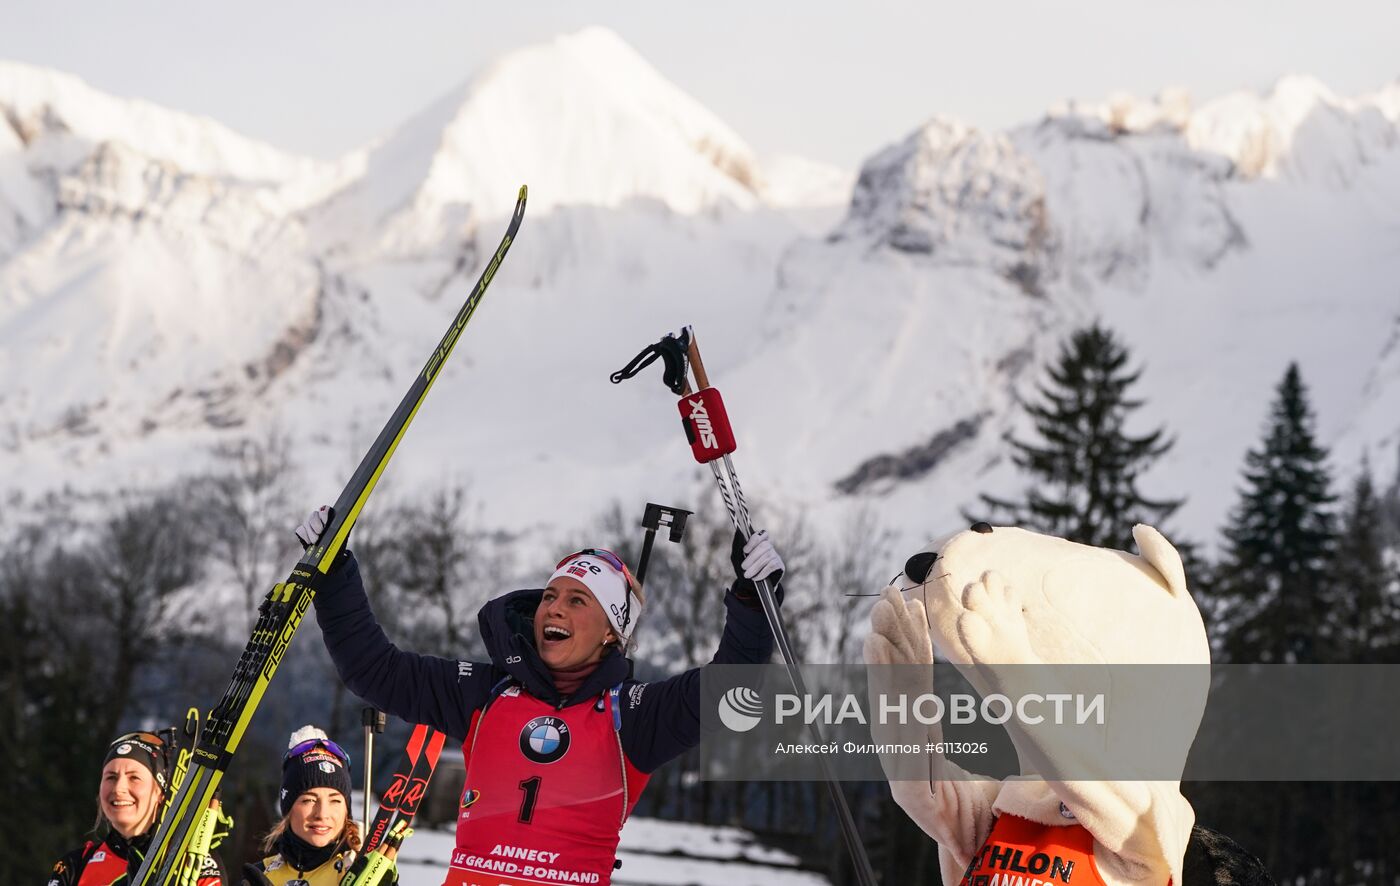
{"x":831,"y":81}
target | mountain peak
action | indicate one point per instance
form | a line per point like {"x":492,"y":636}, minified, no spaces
{"x":1298,"y":128}
{"x":558,"y":115}
{"x":1299,"y":93}
{"x":947,"y":191}
{"x":598,"y":46}
{"x":39,"y":101}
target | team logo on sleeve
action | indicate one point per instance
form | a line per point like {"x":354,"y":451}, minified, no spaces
{"x":544,"y":739}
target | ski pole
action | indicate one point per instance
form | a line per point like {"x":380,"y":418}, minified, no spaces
{"x":733,"y":496}
{"x":711,"y":439}
{"x":374,"y":720}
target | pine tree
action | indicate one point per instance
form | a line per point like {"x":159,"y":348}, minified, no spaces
{"x":1087,"y":466}
{"x":1274,"y":578}
{"x":1390,"y":517}
{"x":1365,"y":622}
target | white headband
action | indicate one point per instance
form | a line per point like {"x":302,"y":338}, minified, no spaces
{"x":608,"y":587}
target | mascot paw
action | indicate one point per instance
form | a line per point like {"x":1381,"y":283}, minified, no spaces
{"x":993,"y":623}
{"x":898,"y":632}
{"x":898,"y":637}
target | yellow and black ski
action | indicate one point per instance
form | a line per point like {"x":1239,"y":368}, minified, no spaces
{"x":285,"y":605}
{"x":180,"y":743}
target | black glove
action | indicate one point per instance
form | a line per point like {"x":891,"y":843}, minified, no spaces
{"x":254,"y":877}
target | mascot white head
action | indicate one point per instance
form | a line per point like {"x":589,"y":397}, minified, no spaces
{"x":1008,"y":607}
{"x":1117,"y":607}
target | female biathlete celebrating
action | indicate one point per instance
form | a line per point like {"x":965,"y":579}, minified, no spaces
{"x":558,"y":739}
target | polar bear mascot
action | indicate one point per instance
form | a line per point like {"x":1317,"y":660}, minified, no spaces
{"x":1001,"y":604}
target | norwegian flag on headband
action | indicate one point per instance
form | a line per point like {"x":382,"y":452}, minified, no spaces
{"x":707,"y":425}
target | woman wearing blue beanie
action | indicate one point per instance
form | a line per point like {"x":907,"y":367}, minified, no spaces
{"x":315,"y":841}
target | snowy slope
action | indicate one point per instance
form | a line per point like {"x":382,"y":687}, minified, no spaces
{"x":160,"y":292}
{"x":135,"y":293}
{"x":812,"y":194}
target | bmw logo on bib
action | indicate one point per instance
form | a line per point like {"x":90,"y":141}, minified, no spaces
{"x":544,"y":739}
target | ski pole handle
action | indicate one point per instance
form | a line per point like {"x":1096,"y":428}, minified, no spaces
{"x":703,"y":415}
{"x":706,"y":424}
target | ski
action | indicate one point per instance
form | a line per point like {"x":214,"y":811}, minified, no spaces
{"x":417,"y":788}
{"x":389,"y":800}
{"x":401,"y":799}
{"x":286,"y":604}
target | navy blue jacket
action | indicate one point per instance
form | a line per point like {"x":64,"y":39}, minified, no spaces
{"x":660,"y":720}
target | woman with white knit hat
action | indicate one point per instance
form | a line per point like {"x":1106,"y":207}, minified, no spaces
{"x":558,"y":737}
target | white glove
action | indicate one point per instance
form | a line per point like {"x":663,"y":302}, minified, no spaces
{"x":760,"y":557}
{"x":309,"y":532}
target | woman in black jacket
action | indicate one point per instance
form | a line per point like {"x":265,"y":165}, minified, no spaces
{"x":558,"y":738}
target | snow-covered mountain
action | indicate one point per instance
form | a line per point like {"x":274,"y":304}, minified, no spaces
{"x":973,"y":254}
{"x":586,"y":118}
{"x":165,"y":284}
